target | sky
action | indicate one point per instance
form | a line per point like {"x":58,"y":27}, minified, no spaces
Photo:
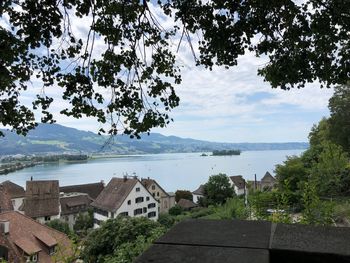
{"x":222,"y":105}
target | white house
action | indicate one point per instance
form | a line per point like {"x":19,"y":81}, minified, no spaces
{"x":126,"y":197}
{"x":198,"y":193}
{"x":238,"y":183}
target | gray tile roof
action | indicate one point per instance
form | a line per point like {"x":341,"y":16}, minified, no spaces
{"x":114,"y":194}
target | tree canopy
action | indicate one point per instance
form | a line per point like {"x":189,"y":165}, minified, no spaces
{"x":129,"y":81}
{"x":217,"y":190}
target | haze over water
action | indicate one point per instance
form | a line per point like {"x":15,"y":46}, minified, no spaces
{"x":172,"y":171}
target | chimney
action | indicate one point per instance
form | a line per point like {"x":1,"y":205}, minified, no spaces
{"x":125,"y":178}
{"x":103,"y":182}
{"x":4,"y":227}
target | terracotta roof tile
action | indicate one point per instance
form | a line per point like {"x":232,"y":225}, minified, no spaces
{"x":5,"y":200}
{"x":14,"y":190}
{"x":24,"y":236}
{"x":46,"y":238}
{"x":27,"y":246}
{"x":42,"y":198}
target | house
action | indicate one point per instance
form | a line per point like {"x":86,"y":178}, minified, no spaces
{"x":73,"y":204}
{"x":16,"y":193}
{"x":165,"y":200}
{"x":22,"y":239}
{"x":268,"y":182}
{"x":125,"y":197}
{"x":198,"y":193}
{"x":186,"y":204}
{"x":42,"y":200}
{"x":239,"y":184}
{"x":93,"y":189}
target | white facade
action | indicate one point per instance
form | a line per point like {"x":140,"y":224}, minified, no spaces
{"x":16,"y":203}
{"x":236,"y":189}
{"x":196,"y":198}
{"x":139,"y":202}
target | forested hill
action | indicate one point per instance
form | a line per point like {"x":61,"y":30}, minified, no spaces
{"x":60,"y":139}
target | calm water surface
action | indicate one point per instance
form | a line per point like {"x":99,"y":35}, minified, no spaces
{"x":172,"y":171}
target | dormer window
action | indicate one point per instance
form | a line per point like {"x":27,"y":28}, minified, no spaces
{"x":52,"y":250}
{"x":33,"y":258}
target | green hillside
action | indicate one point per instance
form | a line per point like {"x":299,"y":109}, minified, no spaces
{"x":54,"y":138}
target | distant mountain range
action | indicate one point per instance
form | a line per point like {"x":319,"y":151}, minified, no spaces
{"x":57,"y":139}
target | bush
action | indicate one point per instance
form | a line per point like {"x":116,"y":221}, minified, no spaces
{"x":166,"y":220}
{"x":175,"y":210}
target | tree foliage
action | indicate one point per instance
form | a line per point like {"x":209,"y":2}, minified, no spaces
{"x":218,"y":189}
{"x":128,"y":81}
{"x":339,"y":121}
{"x":60,"y":226}
{"x":183,"y":194}
{"x":122,"y":239}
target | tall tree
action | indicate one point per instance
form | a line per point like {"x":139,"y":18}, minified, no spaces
{"x":218,"y":189}
{"x":129,"y":80}
{"x":339,"y":106}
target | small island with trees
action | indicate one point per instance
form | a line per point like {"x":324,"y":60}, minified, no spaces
{"x":226,"y":152}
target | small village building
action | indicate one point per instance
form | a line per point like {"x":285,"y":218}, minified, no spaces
{"x":186,"y":204}
{"x":73,"y":204}
{"x":268,"y":182}
{"x":16,"y":194}
{"x":92,"y":189}
{"x":22,"y":239}
{"x":198,"y":193}
{"x":124,"y":197}
{"x":165,"y":200}
{"x":238,"y":183}
{"x":42,"y":200}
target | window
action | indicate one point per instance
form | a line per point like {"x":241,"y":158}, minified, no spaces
{"x":138,"y":211}
{"x":124,"y":214}
{"x":153,"y":194}
{"x":153,"y":187}
{"x":101,"y":212}
{"x":139,"y":200}
{"x":137,"y":189}
{"x":147,"y":198}
{"x":112,"y":215}
{"x":52,"y":250}
{"x":47,"y":218}
{"x":151,"y":205}
{"x":33,"y":258}
{"x":157,"y":193}
{"x":129,"y":202}
{"x":145,"y":209}
{"x":152,"y":214}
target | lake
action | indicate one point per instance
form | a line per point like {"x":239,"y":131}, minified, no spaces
{"x":172,"y":171}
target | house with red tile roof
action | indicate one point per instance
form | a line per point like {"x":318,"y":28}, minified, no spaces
{"x":23,"y":239}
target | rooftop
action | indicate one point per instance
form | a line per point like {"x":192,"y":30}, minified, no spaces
{"x":249,"y":241}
